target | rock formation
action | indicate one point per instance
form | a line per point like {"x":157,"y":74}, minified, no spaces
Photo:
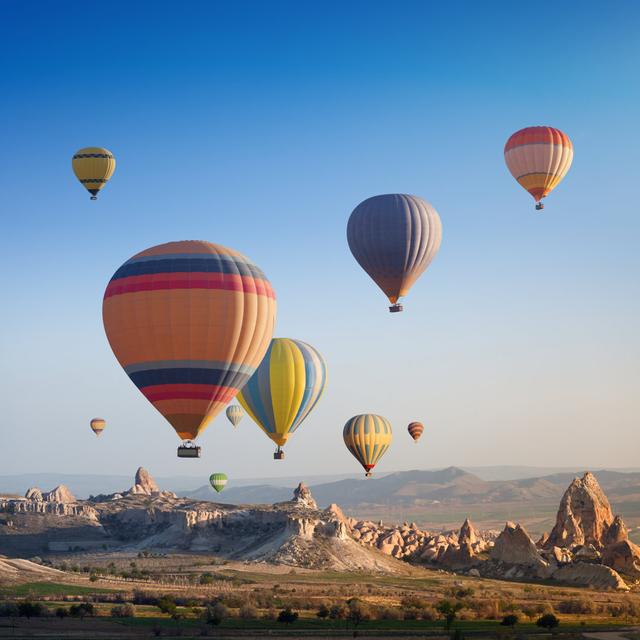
{"x":584,"y":516}
{"x":587,"y":546}
{"x":514,"y":555}
{"x":60,"y":494}
{"x":590,"y":575}
{"x":617,"y":532}
{"x":34,"y":494}
{"x":144,"y":484}
{"x":302,"y":496}
{"x":467,"y":533}
{"x":624,"y":557}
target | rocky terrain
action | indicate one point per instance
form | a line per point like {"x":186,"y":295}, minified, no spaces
{"x":588,"y":544}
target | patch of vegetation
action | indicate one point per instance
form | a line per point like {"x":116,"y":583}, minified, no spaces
{"x":35,"y":589}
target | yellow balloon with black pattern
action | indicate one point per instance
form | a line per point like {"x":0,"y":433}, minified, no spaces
{"x":93,"y":167}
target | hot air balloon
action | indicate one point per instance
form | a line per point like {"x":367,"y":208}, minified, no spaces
{"x":189,"y":322}
{"x":218,"y":481}
{"x":93,"y":166}
{"x":97,"y":425}
{"x":235,"y":414}
{"x":367,"y":436}
{"x":538,"y":158}
{"x":394,"y":238}
{"x":285,"y":389}
{"x":415,"y":430}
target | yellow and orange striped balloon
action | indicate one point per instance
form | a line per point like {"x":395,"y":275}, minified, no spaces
{"x":415,"y":430}
{"x":189,"y":322}
{"x":539,"y":158}
{"x":97,"y":425}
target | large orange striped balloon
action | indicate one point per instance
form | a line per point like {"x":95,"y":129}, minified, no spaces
{"x":538,"y":158}
{"x":189,"y":322}
{"x":415,"y":430}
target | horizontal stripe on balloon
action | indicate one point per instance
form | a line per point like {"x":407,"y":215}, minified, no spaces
{"x":188,"y":392}
{"x":188,"y":376}
{"x":92,"y":155}
{"x":189,"y":364}
{"x":203,"y":263}
{"x":157,"y":282}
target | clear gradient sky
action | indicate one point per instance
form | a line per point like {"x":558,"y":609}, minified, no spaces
{"x":260,"y":126}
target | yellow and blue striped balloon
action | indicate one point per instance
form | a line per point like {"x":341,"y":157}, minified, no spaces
{"x":285,"y":388}
{"x":367,"y":436}
{"x":234,"y":414}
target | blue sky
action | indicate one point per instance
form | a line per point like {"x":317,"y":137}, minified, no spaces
{"x":261,"y":126}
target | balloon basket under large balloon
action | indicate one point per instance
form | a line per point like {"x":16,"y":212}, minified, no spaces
{"x":279,"y":454}
{"x":396,"y":308}
{"x":539,"y":206}
{"x":189,"y":449}
{"x":368,"y":474}
{"x":93,"y":198}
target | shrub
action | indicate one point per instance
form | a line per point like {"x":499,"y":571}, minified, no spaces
{"x":82,"y":610}
{"x":337,"y":612}
{"x":247,"y":612}
{"x":29,"y":609}
{"x":123,"y":611}
{"x":548,"y":621}
{"x":323,"y":611}
{"x":167,"y":605}
{"x":576,"y":606}
{"x":62,"y":612}
{"x":510,"y":621}
{"x":429,"y":614}
{"x":206,"y":578}
{"x":287,"y":615}
{"x":216,"y":613}
{"x":389,"y":613}
{"x":9,"y":610}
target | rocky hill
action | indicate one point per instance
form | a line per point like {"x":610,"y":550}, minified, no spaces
{"x":587,"y":546}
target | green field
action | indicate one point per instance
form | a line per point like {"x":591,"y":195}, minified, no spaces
{"x":39,"y":589}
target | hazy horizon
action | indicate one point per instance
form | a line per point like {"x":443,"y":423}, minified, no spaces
{"x":518,"y":345}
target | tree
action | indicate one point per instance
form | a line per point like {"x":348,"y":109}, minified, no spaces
{"x":167,"y":605}
{"x":287,"y":616}
{"x":28,"y":609}
{"x":62,"y":612}
{"x":216,"y":613}
{"x":548,"y":621}
{"x":449,"y":611}
{"x":81,"y":610}
{"x":357,"y":612}
{"x":530,"y":612}
{"x":510,"y":621}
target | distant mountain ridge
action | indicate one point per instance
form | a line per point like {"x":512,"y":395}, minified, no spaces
{"x":421,"y":488}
